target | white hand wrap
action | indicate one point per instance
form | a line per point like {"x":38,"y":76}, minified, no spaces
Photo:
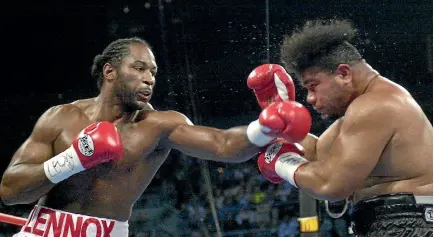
{"x":287,"y":164}
{"x":256,"y":135}
{"x":62,"y":166}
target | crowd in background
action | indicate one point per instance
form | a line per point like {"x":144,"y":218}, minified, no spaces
{"x":177,"y":204}
{"x":246,"y":204}
{"x":213,"y":47}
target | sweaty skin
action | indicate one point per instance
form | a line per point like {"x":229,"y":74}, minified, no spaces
{"x":382,"y":145}
{"x":110,"y":189}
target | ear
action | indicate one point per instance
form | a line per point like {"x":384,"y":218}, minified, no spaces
{"x":344,"y":71}
{"x":109,"y":72}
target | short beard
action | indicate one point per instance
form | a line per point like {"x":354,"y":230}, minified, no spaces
{"x":331,"y":117}
{"x":338,"y":110}
{"x":126,"y":96}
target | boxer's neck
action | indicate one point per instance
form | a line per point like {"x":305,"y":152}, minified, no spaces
{"x":363,"y":75}
{"x":108,"y":107}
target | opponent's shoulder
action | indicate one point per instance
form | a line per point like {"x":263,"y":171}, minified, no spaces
{"x":386,"y":98}
{"x":372,"y":110}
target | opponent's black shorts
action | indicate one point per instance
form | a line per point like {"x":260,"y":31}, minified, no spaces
{"x":393,"y":215}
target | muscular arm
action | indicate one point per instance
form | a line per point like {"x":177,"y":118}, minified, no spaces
{"x":231,"y":145}
{"x":341,"y":170}
{"x":24,"y":181}
{"x":309,"y":145}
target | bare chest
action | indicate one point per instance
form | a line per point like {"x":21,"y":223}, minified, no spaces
{"x":129,"y":176}
{"x":140,"y":149}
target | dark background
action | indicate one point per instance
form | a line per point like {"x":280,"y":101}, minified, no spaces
{"x":207,"y":46}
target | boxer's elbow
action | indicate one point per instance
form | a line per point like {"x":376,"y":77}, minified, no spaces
{"x":10,"y":196}
{"x":11,"y":193}
{"x":332,"y":192}
{"x":7,"y":194}
{"x":324,"y":185}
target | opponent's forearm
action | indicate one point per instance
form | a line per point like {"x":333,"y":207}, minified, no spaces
{"x":309,"y":145}
{"x":24,"y":184}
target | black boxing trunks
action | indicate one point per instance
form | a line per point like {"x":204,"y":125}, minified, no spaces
{"x":49,"y":222}
{"x":393,"y":215}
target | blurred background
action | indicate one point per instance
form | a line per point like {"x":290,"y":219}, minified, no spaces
{"x":205,"y":51}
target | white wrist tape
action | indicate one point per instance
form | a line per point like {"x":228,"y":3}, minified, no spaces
{"x":287,"y":164}
{"x":256,"y":136}
{"x":62,"y":166}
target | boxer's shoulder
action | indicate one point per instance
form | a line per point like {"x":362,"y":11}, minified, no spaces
{"x":170,"y":117}
{"x":164,"y":120}
{"x":371,"y":111}
{"x":371,"y":104}
{"x":66,"y":112}
{"x":62,"y":111}
{"x":82,"y":105}
{"x":387,"y":93}
{"x":56,"y":119}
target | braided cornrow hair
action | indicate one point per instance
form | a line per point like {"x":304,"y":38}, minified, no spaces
{"x":113,"y":54}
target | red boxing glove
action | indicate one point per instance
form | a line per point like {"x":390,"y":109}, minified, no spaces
{"x":288,"y":119}
{"x":271,"y":83}
{"x":280,"y":160}
{"x":98,"y":143}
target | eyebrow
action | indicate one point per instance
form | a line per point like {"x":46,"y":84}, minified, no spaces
{"x":154,"y":67}
{"x":305,"y":82}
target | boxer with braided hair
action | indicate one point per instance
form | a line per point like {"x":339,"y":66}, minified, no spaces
{"x":86,"y":163}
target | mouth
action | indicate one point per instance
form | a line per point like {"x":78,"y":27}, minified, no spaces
{"x":323,"y":113}
{"x":317,"y":109}
{"x":145,"y":95}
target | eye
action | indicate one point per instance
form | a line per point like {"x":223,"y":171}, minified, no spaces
{"x":139,"y":68}
{"x":312,"y":86}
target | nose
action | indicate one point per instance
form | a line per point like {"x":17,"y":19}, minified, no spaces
{"x":311,"y":98}
{"x":149,"y":79}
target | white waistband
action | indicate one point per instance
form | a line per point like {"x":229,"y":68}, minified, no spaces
{"x":49,"y":222}
{"x":424,"y":199}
